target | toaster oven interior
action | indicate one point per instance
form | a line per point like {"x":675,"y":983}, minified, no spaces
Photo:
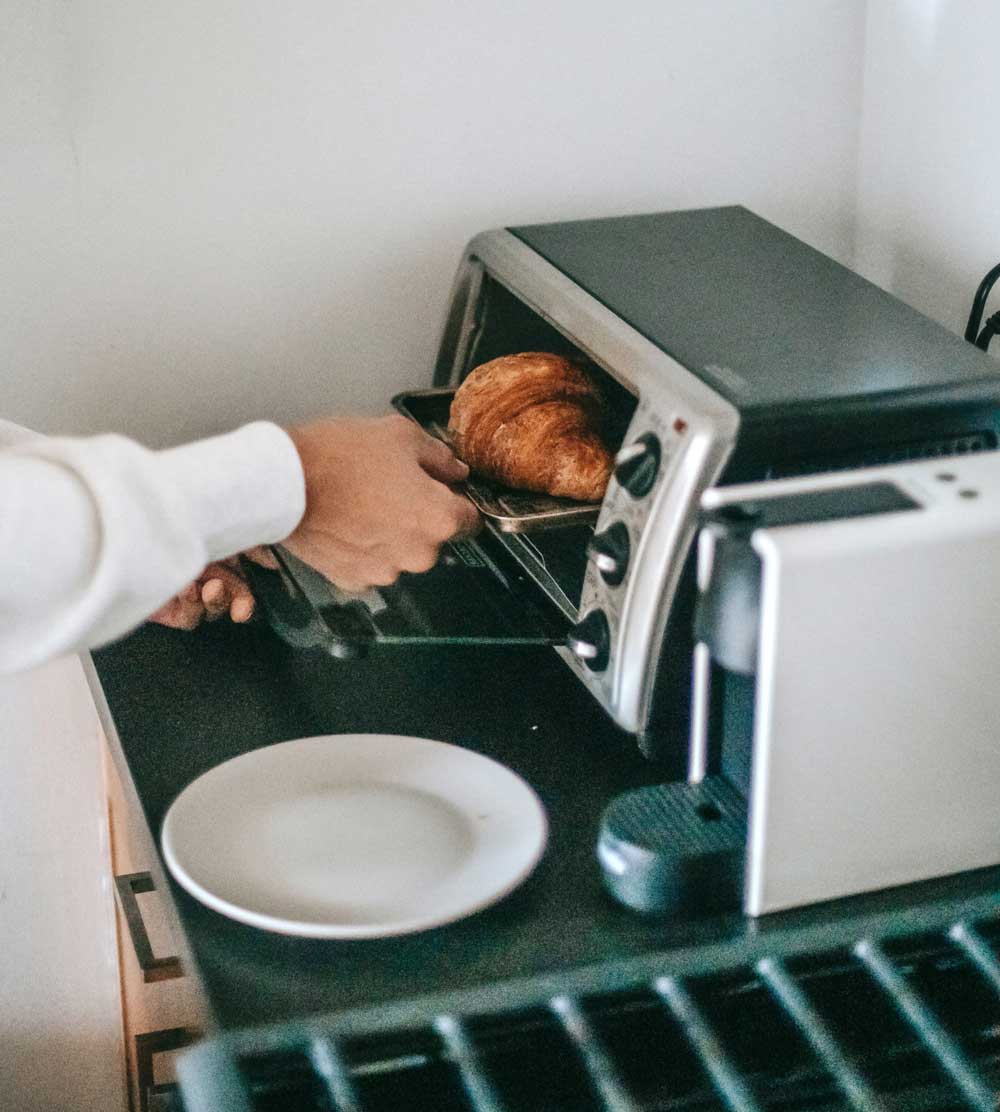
{"x":555,"y":558}
{"x":546,"y":537}
{"x":503,"y":324}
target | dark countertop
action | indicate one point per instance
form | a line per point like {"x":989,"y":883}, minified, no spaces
{"x":180,"y":703}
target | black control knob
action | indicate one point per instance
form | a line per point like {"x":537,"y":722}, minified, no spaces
{"x":590,"y":640}
{"x":638,"y":464}
{"x":610,"y":551}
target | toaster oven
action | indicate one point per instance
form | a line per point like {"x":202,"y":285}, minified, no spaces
{"x":731,"y":352}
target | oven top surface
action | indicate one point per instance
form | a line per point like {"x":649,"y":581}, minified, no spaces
{"x":756,"y":313}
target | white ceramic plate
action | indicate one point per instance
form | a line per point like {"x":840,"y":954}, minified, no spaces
{"x":354,"y":835}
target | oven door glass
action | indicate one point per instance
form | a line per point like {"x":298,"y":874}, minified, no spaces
{"x":470,"y":597}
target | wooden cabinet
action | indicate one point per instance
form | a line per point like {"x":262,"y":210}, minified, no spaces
{"x":161,"y":1009}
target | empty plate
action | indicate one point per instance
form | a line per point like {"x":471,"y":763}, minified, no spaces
{"x":354,"y":835}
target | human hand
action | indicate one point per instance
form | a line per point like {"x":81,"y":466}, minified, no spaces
{"x":378,"y":500}
{"x":218,"y":590}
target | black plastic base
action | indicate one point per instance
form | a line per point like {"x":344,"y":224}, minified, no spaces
{"x":675,"y":847}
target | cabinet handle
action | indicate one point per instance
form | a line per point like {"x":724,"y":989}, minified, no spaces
{"x":128,"y":886}
{"x":147,"y":1046}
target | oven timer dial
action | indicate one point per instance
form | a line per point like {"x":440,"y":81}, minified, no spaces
{"x":590,"y":640}
{"x":610,"y":551}
{"x":638,"y":464}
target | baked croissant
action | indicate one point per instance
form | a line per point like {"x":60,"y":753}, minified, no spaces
{"x":533,"y":421}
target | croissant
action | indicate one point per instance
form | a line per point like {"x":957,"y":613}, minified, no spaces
{"x":533,"y":421}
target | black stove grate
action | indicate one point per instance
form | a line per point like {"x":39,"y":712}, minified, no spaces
{"x":909,"y":1023}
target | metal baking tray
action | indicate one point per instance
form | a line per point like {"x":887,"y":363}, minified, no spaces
{"x":510,"y":511}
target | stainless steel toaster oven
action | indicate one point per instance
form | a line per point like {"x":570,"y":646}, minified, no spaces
{"x":732,"y":352}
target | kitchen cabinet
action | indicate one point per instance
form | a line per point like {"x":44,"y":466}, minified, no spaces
{"x":82,"y":1025}
{"x":161,"y":1011}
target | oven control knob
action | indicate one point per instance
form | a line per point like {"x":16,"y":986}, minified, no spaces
{"x":590,"y":640}
{"x":610,"y":551}
{"x":637,"y":465}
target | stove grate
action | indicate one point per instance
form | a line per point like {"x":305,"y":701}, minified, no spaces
{"x":910,"y":1022}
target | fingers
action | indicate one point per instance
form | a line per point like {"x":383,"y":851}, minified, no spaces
{"x":466,"y":518}
{"x":241,"y":609}
{"x":444,"y":515}
{"x":181,"y":612}
{"x":214,"y":598}
{"x":456,"y":516}
{"x":217,"y":591}
{"x":438,"y":460}
{"x":450,"y":521}
{"x":222,"y":591}
{"x":378,"y":500}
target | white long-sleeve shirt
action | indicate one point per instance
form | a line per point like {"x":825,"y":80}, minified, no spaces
{"x":97,"y":533}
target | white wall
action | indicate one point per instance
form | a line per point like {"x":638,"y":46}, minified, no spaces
{"x":930,"y":159}
{"x":214,"y":211}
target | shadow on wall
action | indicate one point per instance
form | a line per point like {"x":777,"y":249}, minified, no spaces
{"x":923,"y":279}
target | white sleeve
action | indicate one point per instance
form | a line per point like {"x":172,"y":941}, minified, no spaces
{"x":98,"y":533}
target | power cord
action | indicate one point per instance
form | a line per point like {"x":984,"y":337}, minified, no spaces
{"x":990,"y":329}
{"x":981,"y":338}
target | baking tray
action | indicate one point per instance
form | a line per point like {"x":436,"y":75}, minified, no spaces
{"x":510,"y":511}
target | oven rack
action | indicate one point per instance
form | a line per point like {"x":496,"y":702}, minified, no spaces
{"x":880,"y":1021}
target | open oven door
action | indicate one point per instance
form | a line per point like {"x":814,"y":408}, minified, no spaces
{"x":466,"y":598}
{"x":518,"y":582}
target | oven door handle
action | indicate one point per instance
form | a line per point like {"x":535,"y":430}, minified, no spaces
{"x":341,"y":631}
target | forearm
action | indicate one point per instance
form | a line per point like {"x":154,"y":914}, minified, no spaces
{"x":98,"y":533}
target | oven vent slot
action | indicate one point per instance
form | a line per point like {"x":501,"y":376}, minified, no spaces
{"x":983,"y":441}
{"x":879,"y":1024}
